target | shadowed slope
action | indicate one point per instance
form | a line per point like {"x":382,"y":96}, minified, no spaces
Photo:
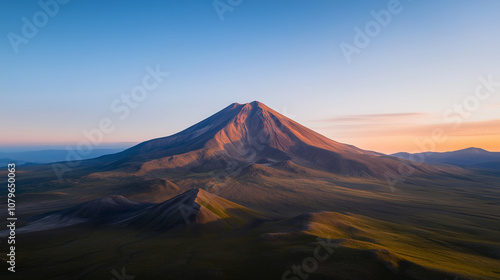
{"x":156,"y":190}
{"x":96,"y":211}
{"x":101,"y":207}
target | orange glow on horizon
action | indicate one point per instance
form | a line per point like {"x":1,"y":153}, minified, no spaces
{"x":413,"y":145}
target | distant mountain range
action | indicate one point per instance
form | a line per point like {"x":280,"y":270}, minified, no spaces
{"x":47,"y":156}
{"x":470,"y":157}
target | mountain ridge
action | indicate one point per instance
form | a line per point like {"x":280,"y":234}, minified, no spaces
{"x":468,"y":157}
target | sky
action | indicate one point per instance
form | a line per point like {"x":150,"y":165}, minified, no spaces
{"x":389,"y":76}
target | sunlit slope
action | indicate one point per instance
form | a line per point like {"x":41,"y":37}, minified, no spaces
{"x":400,"y":247}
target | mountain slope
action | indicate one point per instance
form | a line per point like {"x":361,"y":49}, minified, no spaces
{"x":101,"y":207}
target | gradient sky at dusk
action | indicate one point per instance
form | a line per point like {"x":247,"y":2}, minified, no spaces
{"x":285,"y":54}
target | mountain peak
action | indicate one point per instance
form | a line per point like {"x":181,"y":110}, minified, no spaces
{"x":253,"y":104}
{"x":474,"y":150}
{"x":257,"y":104}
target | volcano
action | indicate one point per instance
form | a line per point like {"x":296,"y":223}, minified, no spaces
{"x":243,"y":135}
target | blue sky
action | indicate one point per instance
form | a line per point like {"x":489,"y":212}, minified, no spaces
{"x":285,"y":54}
